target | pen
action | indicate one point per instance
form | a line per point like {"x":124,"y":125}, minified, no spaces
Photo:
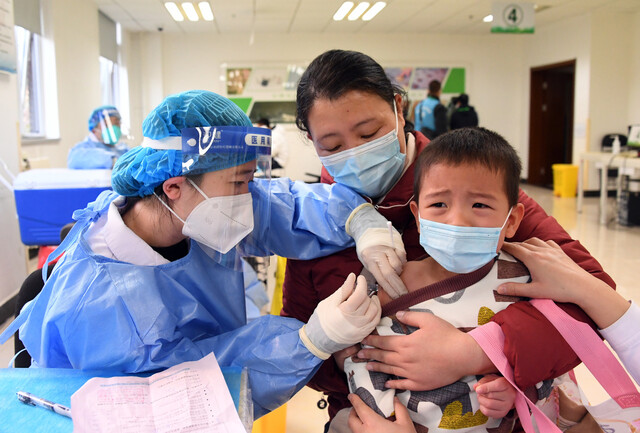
{"x":32,"y":400}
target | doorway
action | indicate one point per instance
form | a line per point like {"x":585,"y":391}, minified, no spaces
{"x":550,"y":120}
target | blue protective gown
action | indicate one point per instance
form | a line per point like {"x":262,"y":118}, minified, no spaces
{"x":255,"y":292}
{"x":93,"y":154}
{"x":99,"y":313}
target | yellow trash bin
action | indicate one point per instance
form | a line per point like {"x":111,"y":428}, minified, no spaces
{"x":565,"y":180}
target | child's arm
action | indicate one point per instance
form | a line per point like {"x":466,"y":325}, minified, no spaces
{"x":363,"y":419}
{"x":495,"y":395}
{"x":554,"y":275}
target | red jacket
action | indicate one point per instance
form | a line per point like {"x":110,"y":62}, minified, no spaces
{"x":532,"y":344}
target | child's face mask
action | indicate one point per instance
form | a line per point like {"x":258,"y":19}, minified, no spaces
{"x":460,"y":249}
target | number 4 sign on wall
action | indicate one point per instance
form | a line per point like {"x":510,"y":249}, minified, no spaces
{"x":513,"y":18}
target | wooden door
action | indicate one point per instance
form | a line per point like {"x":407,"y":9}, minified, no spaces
{"x":550,"y":120}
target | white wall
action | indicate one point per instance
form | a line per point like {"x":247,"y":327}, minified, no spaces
{"x":634,"y":72}
{"x":146,"y":87}
{"x":13,"y":265}
{"x":611,"y":57}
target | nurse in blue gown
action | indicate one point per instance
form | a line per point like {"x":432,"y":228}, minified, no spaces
{"x":151,"y":274}
{"x":102,"y":147}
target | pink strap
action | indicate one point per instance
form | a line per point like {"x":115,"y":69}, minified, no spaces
{"x":587,"y":345}
{"x":593,"y":352}
{"x":491,"y":339}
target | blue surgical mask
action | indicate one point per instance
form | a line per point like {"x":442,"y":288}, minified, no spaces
{"x":370,"y":169}
{"x":460,"y":249}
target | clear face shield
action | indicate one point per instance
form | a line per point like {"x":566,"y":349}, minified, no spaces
{"x":110,"y":127}
{"x":228,"y":158}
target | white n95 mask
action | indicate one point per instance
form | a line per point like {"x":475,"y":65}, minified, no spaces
{"x":218,"y":222}
{"x":460,"y":249}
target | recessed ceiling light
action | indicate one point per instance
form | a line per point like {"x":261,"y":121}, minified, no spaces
{"x":488,"y":19}
{"x":342,"y":11}
{"x":174,"y":11}
{"x":190,"y":10}
{"x":377,"y":7}
{"x":205,"y":11}
{"x":358,"y":10}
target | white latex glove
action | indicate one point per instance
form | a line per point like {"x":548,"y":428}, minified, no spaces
{"x":385,"y":263}
{"x":341,"y":320}
{"x":379,"y":247}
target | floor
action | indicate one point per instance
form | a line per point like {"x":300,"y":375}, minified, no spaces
{"x":613,"y":245}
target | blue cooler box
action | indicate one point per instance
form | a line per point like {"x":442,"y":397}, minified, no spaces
{"x":46,"y":199}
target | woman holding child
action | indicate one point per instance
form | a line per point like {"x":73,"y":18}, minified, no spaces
{"x":352,"y":113}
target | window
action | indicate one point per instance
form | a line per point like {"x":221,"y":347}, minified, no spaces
{"x":114,"y":86}
{"x":30,"y":83}
{"x":38,"y":90}
{"x":109,"y":82}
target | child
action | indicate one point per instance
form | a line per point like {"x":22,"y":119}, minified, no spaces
{"x":465,"y":204}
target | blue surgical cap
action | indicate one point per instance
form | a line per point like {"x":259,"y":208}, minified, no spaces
{"x":100,"y":113}
{"x":139,"y":171}
{"x":190,"y":109}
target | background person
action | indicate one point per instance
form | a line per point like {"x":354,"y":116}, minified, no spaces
{"x":430,"y":116}
{"x":101,"y":148}
{"x":352,"y":113}
{"x":464,"y":115}
{"x":151,"y":275}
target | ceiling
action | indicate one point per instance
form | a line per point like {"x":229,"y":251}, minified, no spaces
{"x":315,"y":16}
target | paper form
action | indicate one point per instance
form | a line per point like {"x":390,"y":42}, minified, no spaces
{"x":189,"y":397}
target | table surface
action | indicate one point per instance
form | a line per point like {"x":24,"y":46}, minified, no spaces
{"x":611,"y":159}
{"x":57,"y":385}
{"x":622,"y":160}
